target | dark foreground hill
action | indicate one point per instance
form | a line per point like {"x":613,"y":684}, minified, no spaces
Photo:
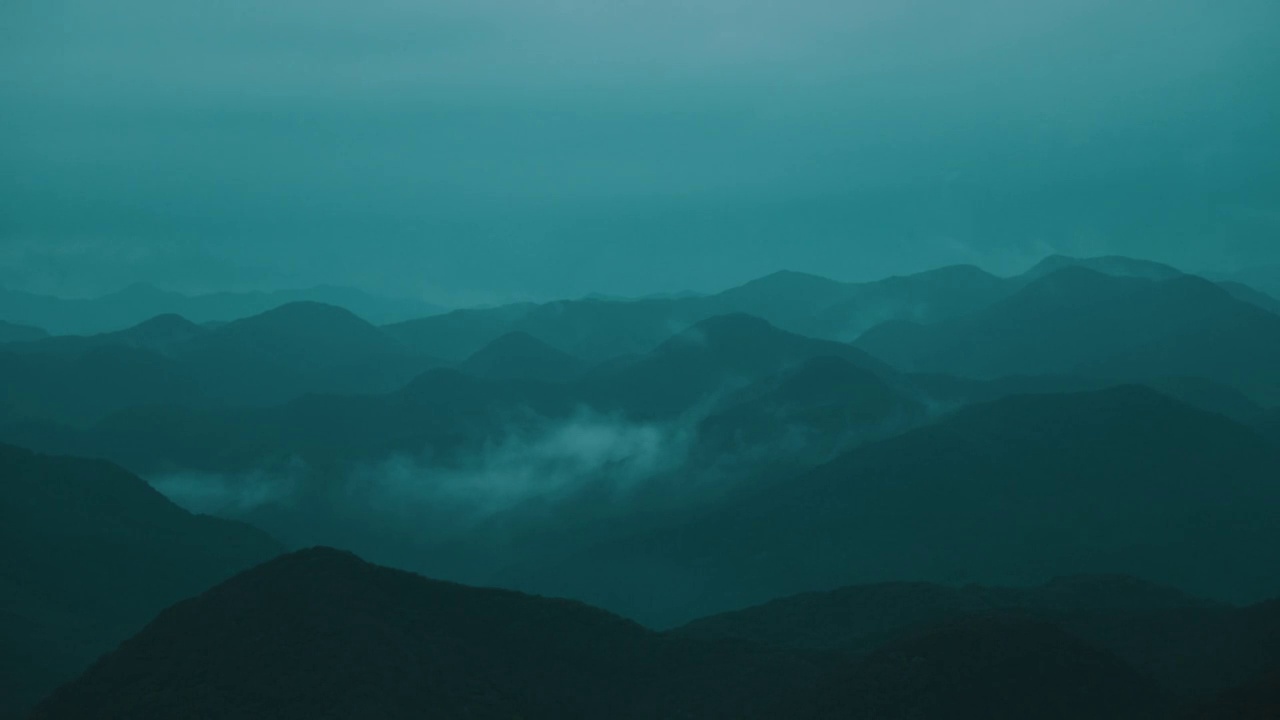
{"x":990,"y":668}
{"x":1256,"y":700}
{"x":89,"y":554}
{"x":1190,"y":647}
{"x":858,"y":616}
{"x":320,"y":633}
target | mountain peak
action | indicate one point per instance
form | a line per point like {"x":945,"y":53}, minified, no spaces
{"x":1116,"y":265}
{"x":166,"y":322}
{"x":519,"y":355}
{"x":788,"y":282}
{"x":309,"y":318}
{"x":301,"y":309}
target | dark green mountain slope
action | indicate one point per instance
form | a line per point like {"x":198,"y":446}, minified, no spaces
{"x":1192,"y":648}
{"x":456,"y":335}
{"x":1076,"y":321}
{"x":990,"y":668}
{"x":88,"y":554}
{"x":1124,"y":480}
{"x":14,"y":332}
{"x":261,"y":360}
{"x":320,"y":633}
{"x":714,"y":356}
{"x":861,"y":615}
{"x":520,"y":356}
{"x":136,"y":303}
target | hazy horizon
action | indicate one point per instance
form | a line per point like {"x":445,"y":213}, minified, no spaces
{"x":492,"y":151}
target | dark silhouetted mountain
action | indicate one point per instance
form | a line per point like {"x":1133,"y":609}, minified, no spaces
{"x":719,"y":355}
{"x":598,"y":329}
{"x":1191,"y":647}
{"x":858,"y":617}
{"x":138,"y":302}
{"x":1256,"y":700}
{"x":1114,"y":265}
{"x":1079,"y":322}
{"x":805,"y":414}
{"x":1265,"y":278}
{"x":1125,"y":480}
{"x":989,"y":668}
{"x":1118,"y":266}
{"x":786,"y":299}
{"x":951,"y":391}
{"x":925,"y":297}
{"x":1268,"y":424}
{"x":12,"y":332}
{"x":444,"y":408}
{"x":261,"y":360}
{"x":302,"y":333}
{"x":296,"y":349}
{"x":89,"y":381}
{"x":456,"y":335}
{"x":164,"y":334}
{"x":1243,"y":292}
{"x":520,"y":356}
{"x":320,"y":633}
{"x":819,"y":307}
{"x":88,"y":554}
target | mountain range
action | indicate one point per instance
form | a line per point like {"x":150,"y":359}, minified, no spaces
{"x":322,"y":633}
{"x":140,"y":302}
{"x":930,"y":496}
{"x":90,"y":553}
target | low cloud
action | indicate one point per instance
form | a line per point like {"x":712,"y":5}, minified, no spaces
{"x":606,"y":455}
{"x":231,"y":494}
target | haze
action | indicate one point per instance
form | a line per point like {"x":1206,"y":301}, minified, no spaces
{"x":489,"y":151}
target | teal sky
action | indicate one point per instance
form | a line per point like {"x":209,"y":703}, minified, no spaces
{"x":495,"y":149}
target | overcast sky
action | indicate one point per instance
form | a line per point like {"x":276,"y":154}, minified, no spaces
{"x":482,"y":150}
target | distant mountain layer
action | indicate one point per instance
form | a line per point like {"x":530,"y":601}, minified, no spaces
{"x":596,"y":329}
{"x":288,"y":351}
{"x":511,"y":384}
{"x":12,"y":332}
{"x":1078,"y":321}
{"x":520,"y":356}
{"x":320,"y":633}
{"x":139,"y":302}
{"x":88,"y":554}
{"x":1123,"y":480}
{"x":1263,"y":277}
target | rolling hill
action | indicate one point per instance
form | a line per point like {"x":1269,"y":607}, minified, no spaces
{"x":88,"y":554}
{"x":1079,"y":322}
{"x":320,"y":633}
{"x":1123,"y":480}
